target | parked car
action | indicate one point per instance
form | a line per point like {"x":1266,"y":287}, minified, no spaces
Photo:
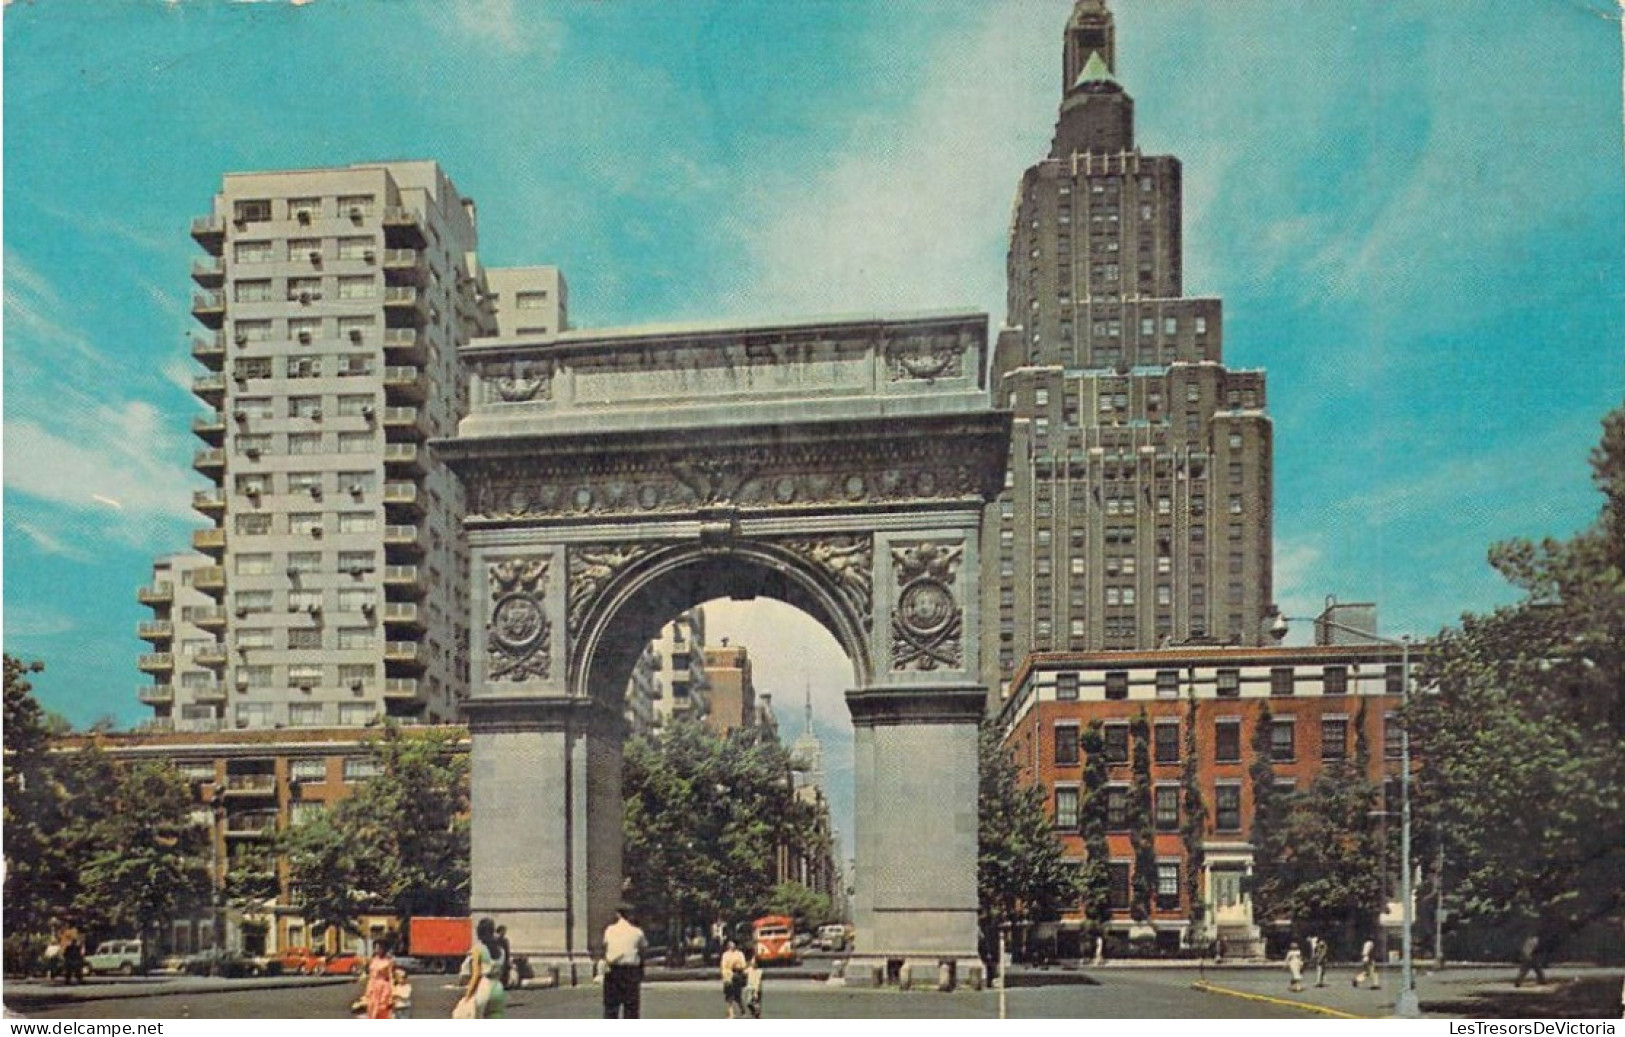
{"x":230,"y":964}
{"x":121,"y":956}
{"x":831,"y":937}
{"x":300,"y":961}
{"x":344,"y":963}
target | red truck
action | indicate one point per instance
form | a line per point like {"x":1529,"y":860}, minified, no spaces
{"x":440,"y":943}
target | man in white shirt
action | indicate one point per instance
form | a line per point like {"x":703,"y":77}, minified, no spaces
{"x":624,"y":947}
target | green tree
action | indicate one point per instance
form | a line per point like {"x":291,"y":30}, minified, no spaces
{"x":1094,"y":880}
{"x":1266,"y":822}
{"x":1193,"y":823}
{"x":399,"y":842}
{"x":794,"y":900}
{"x":1020,"y":872}
{"x":1518,"y":737}
{"x":1142,"y":821}
{"x":705,"y":816}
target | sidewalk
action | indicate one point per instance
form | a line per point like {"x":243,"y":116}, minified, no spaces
{"x":111,"y":989}
{"x":1473,"y":991}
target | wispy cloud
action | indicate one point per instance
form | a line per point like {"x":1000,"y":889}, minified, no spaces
{"x":47,"y":542}
{"x":500,"y":24}
{"x":35,"y":623}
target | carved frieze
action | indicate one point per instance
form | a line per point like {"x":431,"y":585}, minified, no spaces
{"x":672,"y":483}
{"x":927,"y":622}
{"x":518,"y":635}
{"x":516,"y":381}
{"x":928,"y":357}
{"x":591,"y":567}
{"x":848,"y":562}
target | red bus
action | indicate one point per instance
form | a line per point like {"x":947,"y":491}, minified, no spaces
{"x":775,"y":940}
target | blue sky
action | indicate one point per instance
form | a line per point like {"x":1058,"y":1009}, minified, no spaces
{"x":1412,"y":209}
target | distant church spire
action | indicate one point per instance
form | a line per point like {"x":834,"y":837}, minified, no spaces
{"x":808,"y":728}
{"x":1090,"y":31}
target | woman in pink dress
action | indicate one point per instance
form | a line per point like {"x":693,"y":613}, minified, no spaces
{"x":380,"y":995}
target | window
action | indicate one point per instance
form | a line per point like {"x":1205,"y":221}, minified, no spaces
{"x":1227,"y":808}
{"x":256,"y":210}
{"x":304,"y":289}
{"x":253,"y":523}
{"x":299,"y":249}
{"x":1066,"y":808}
{"x":1066,"y":745}
{"x":1116,"y":740}
{"x":351,"y":638}
{"x":1167,"y":684}
{"x":1283,"y":740}
{"x":304,"y":600}
{"x":359,"y":768}
{"x":302,"y":675}
{"x":1066,"y":687}
{"x":1166,"y":799}
{"x":1393,"y":679}
{"x":1167,"y":885}
{"x":248,"y":367}
{"x":1117,"y":874}
{"x":1281,"y":679}
{"x":254,"y":676}
{"x":253,"y":565}
{"x":304,"y":482}
{"x":355,"y":442}
{"x":355,"y":561}
{"x":304,"y":443}
{"x":303,"y":561}
{"x":255,"y":252}
{"x":305,"y":714}
{"x":356,"y":714}
{"x":357,"y":287}
{"x":305,"y":330}
{"x":1227,"y":741}
{"x":304,"y":209}
{"x":355,"y":406}
{"x":1334,"y":738}
{"x":304,"y":638}
{"x":307,"y":770}
{"x":196,"y":770}
{"x":252,"y":291}
{"x":304,"y":367}
{"x":1229,"y":683}
{"x":251,"y":445}
{"x":530,"y":300}
{"x":1117,"y":684}
{"x":357,"y":599}
{"x":1167,"y":741}
{"x":1117,"y":808}
{"x":1335,"y":680}
{"x":355,"y":248}
{"x":253,"y":714}
{"x":357,"y":522}
{"x":1393,"y":737}
{"x":1200,"y":325}
{"x":252,"y":637}
{"x":355,"y":206}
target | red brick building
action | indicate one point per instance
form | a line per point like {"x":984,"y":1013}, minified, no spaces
{"x":1316,"y":696}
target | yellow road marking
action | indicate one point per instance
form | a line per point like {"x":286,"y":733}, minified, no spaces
{"x":1306,"y":1006}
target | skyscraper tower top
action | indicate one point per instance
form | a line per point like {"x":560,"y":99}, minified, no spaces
{"x":1097,"y":116}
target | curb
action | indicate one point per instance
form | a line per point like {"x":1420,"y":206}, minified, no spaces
{"x":125,"y":992}
{"x":1209,"y":988}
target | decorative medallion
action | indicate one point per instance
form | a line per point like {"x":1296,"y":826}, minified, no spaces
{"x":517,"y":382}
{"x":927,"y":622}
{"x":518,"y":636}
{"x":592,"y":567}
{"x":848,"y":562}
{"x":928,"y":359}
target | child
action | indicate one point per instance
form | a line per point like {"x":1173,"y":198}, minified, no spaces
{"x":402,"y":994}
{"x":753,"y":988}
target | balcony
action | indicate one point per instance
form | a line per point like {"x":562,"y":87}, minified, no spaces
{"x":401,"y":688}
{"x":209,"y":541}
{"x":205,"y":617}
{"x":211,"y":579}
{"x":403,"y":266}
{"x":212,"y":692}
{"x":209,"y":272}
{"x":403,"y":458}
{"x":155,"y":694}
{"x":210,"y":462}
{"x":401,"y":423}
{"x":210,"y":350}
{"x":161,"y":593}
{"x":211,"y":501}
{"x":213,"y":656}
{"x":405,"y":383}
{"x":156,"y":662}
{"x":403,"y":228}
{"x":403,"y":495}
{"x":210,"y":233}
{"x":404,"y":346}
{"x":403,"y":614}
{"x":404,"y":653}
{"x":209,"y":308}
{"x":399,"y":299}
{"x":155,"y":630}
{"x":210,"y":427}
{"x":250,"y":826}
{"x":211,"y":388}
{"x":402,"y":541}
{"x":246,"y":785}
{"x":404,"y":581}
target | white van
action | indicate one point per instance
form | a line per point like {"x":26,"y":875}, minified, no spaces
{"x":120,"y":956}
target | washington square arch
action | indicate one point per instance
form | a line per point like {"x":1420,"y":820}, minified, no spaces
{"x":615,"y":478}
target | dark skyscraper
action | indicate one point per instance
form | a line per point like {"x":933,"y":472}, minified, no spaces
{"x":1137,"y":510}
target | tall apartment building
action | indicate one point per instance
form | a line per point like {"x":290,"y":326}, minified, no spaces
{"x":670,"y":677}
{"x":334,"y":302}
{"x":1137,"y":511}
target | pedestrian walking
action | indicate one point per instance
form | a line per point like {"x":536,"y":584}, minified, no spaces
{"x":1529,"y":960}
{"x":753,"y":988}
{"x":1368,"y":966}
{"x":1294,"y":968}
{"x":401,"y":994}
{"x":1100,"y":952}
{"x":378,"y":998}
{"x":485,"y":965}
{"x":73,"y":957}
{"x":624,"y":950}
{"x":1320,"y":956}
{"x":507,"y":957}
{"x":733,"y":968}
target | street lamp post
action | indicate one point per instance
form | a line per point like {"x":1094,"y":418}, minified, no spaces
{"x":1406,"y":1005}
